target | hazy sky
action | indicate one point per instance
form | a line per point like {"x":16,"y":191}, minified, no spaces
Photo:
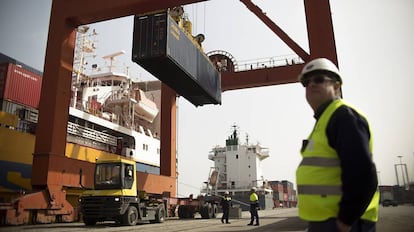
{"x":374,"y":40}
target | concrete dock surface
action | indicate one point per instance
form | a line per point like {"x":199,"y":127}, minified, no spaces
{"x":395,"y":219}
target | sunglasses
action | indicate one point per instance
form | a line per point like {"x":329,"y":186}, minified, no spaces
{"x":317,"y":79}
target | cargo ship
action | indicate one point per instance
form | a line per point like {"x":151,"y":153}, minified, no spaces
{"x":237,"y":169}
{"x":109,"y":116}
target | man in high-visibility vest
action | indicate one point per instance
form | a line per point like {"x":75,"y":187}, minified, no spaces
{"x":337,"y":179}
{"x":254,"y":206}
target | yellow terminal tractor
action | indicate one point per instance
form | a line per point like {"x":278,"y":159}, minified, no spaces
{"x":115,"y":196}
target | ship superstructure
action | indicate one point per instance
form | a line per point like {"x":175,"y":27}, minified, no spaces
{"x":237,"y":168}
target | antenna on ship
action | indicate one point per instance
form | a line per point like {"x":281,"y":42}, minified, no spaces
{"x":233,"y":138}
{"x":111,"y":58}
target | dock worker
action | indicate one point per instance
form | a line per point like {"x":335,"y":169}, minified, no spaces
{"x":254,"y":206}
{"x":337,"y":178}
{"x":225,"y":206}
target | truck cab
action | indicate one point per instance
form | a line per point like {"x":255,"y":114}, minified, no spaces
{"x":115,"y":196}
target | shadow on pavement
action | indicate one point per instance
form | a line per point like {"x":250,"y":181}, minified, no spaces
{"x":289,"y":224}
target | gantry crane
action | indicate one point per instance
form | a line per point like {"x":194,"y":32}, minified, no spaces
{"x":52,"y":170}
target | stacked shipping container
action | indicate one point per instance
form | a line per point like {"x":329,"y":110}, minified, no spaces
{"x":19,"y":83}
{"x":284,"y":194}
{"x":20,"y":87}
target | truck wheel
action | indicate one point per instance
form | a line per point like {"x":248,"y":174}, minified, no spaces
{"x":214,"y":211}
{"x":89,"y":221}
{"x":204,"y":212}
{"x":160,"y":214}
{"x":210,"y":210}
{"x":182,"y":211}
{"x":207,"y":211}
{"x":130,"y":217}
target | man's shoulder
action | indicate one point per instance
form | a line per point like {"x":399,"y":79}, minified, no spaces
{"x":347,"y":111}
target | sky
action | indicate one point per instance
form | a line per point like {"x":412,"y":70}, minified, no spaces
{"x":374,"y":41}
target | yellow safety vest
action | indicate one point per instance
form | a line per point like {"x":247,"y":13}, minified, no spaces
{"x":254,"y":197}
{"x":318,"y":176}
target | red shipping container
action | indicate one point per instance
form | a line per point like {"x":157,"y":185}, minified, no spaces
{"x":20,"y":85}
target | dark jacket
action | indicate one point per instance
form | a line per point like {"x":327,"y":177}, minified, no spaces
{"x":226,"y":202}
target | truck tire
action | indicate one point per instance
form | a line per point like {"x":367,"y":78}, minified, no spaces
{"x":89,"y":221}
{"x":185,"y":211}
{"x":160,"y":214}
{"x":215,"y":211}
{"x":207,"y":211}
{"x":204,"y":212}
{"x":182,"y":211}
{"x":210,"y":210}
{"x":130,"y":217}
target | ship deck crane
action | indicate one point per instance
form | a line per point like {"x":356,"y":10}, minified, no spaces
{"x":52,"y":170}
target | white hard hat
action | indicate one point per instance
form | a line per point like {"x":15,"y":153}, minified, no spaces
{"x":226,"y":192}
{"x":320,"y":64}
{"x":254,"y":188}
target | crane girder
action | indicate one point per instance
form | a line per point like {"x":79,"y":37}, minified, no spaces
{"x":81,"y":12}
{"x":260,"y":77}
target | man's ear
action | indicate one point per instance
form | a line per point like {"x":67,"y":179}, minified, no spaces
{"x":338,"y":90}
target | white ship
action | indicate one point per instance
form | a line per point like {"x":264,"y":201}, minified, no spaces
{"x":119,"y":117}
{"x":237,"y":168}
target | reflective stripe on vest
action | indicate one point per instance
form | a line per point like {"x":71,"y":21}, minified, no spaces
{"x":322,"y":190}
{"x":320,"y":161}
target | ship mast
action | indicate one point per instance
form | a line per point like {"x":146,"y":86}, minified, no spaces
{"x":85,"y":44}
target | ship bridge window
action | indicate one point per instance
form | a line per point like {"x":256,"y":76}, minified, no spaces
{"x":253,"y":149}
{"x":117,"y":83}
{"x":96,"y":83}
{"x":107,"y":83}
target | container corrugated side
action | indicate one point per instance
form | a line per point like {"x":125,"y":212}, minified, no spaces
{"x":21,"y":85}
{"x":164,"y":50}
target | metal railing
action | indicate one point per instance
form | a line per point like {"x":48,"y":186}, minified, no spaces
{"x":88,"y":133}
{"x":268,"y":62}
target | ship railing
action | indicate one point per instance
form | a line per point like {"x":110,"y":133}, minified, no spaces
{"x":268,"y":62}
{"x":88,"y":133}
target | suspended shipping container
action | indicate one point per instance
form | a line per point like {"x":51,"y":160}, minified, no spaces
{"x":162,"y":48}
